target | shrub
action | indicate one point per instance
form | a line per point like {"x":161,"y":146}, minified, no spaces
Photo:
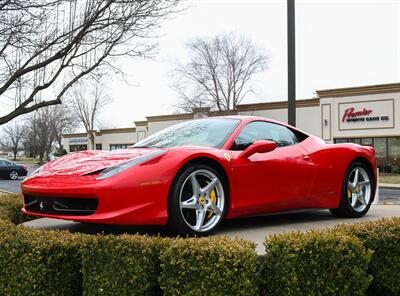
{"x":340,"y":261}
{"x":10,"y":209}
{"x":383,"y":237}
{"x":39,"y":263}
{"x":209,"y":266}
{"x":315,"y":263}
{"x":121,"y":265}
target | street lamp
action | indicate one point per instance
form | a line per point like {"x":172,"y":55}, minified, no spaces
{"x":291,"y":42}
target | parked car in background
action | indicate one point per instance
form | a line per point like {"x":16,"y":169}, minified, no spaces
{"x":12,"y":170}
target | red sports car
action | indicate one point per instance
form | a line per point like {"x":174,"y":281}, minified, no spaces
{"x":197,"y":173}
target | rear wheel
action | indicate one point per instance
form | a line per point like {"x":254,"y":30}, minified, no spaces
{"x":13,"y":175}
{"x":198,"y":202}
{"x":357,"y":190}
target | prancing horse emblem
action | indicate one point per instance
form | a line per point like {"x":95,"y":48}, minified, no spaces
{"x":41,"y":206}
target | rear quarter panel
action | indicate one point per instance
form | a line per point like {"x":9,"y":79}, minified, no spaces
{"x":331,"y":162}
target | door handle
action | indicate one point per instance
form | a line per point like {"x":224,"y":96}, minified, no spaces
{"x":306,"y":157}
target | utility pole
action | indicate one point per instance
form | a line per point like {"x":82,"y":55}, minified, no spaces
{"x":291,"y":42}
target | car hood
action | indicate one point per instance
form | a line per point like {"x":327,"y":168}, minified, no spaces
{"x":88,"y":162}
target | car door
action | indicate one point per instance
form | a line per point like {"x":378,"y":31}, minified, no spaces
{"x":3,"y":169}
{"x":275,"y":180}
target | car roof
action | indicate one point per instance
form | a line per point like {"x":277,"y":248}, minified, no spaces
{"x":249,"y":118}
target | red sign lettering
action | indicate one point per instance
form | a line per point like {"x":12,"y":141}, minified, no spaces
{"x":350,"y":113}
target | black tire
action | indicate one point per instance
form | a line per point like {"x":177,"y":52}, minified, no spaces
{"x":13,"y":175}
{"x":346,"y":210}
{"x":176,"y":220}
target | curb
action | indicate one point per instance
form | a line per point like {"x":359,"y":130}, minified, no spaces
{"x":388,"y":185}
{"x":6,"y":192}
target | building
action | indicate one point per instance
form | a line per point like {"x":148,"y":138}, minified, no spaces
{"x":367,"y":115}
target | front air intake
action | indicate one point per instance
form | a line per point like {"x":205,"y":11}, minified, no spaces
{"x":67,"y":206}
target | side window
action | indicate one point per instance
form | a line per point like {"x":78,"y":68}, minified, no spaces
{"x":260,"y":130}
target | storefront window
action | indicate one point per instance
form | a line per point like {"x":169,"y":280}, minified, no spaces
{"x":394,"y":154}
{"x":75,"y":148}
{"x":340,"y":141}
{"x":387,"y":151}
{"x":366,"y":141}
{"x":380,"y":147}
{"x":119,"y":146}
{"x":355,"y":140}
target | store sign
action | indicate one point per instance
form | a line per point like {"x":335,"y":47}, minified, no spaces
{"x":78,"y":140}
{"x":375,"y":114}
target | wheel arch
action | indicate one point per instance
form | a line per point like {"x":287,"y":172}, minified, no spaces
{"x":369,"y":166}
{"x":208,"y":161}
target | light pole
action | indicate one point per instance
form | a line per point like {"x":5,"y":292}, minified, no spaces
{"x":291,"y":42}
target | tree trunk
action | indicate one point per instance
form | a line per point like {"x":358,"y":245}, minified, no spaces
{"x":91,"y":140}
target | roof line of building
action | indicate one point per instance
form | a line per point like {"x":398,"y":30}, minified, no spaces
{"x":103,"y":131}
{"x":359,"y":90}
{"x":245,"y":107}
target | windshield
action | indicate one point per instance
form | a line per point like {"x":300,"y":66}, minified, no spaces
{"x":202,"y":132}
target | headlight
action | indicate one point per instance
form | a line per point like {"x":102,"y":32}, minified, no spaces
{"x":116,"y":169}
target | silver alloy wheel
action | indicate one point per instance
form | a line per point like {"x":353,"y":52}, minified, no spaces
{"x":13,"y":175}
{"x":202,"y":209}
{"x":359,"y":189}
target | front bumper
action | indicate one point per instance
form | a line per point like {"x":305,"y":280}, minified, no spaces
{"x":120,"y":200}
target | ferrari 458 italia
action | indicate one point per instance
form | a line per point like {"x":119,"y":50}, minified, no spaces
{"x":194,"y":174}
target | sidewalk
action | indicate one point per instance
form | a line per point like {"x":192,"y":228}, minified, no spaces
{"x":389,"y":185}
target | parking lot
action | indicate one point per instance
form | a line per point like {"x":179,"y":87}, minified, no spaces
{"x":14,"y":186}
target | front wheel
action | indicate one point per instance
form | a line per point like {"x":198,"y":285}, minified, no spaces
{"x":13,"y":175}
{"x":357,"y":190}
{"x":198,"y":201}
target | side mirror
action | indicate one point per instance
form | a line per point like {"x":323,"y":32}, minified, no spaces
{"x":261,"y":146}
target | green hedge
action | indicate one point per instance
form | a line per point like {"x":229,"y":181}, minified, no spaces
{"x":315,"y":263}
{"x":209,"y":266}
{"x":121,"y":265}
{"x":345,"y":260}
{"x":39,"y":263}
{"x":10,"y":209}
{"x":60,"y":263}
{"x":383,"y":237}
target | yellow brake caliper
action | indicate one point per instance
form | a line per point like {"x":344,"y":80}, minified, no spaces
{"x":213,"y":197}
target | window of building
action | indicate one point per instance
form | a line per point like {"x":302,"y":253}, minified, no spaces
{"x":394,"y":148}
{"x":119,"y":146}
{"x":367,"y":141}
{"x":355,"y":141}
{"x":261,"y":130}
{"x":387,"y":151}
{"x":340,"y":141}
{"x":99,"y":146}
{"x":75,"y":148}
{"x":380,"y":145}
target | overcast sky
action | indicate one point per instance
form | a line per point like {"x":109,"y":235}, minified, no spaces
{"x":338,"y":44}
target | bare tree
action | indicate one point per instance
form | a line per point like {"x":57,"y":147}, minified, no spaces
{"x":88,"y":101}
{"x":41,"y":134}
{"x":12,"y":141}
{"x":64,"y":120}
{"x":219,"y":72}
{"x":46,"y":46}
